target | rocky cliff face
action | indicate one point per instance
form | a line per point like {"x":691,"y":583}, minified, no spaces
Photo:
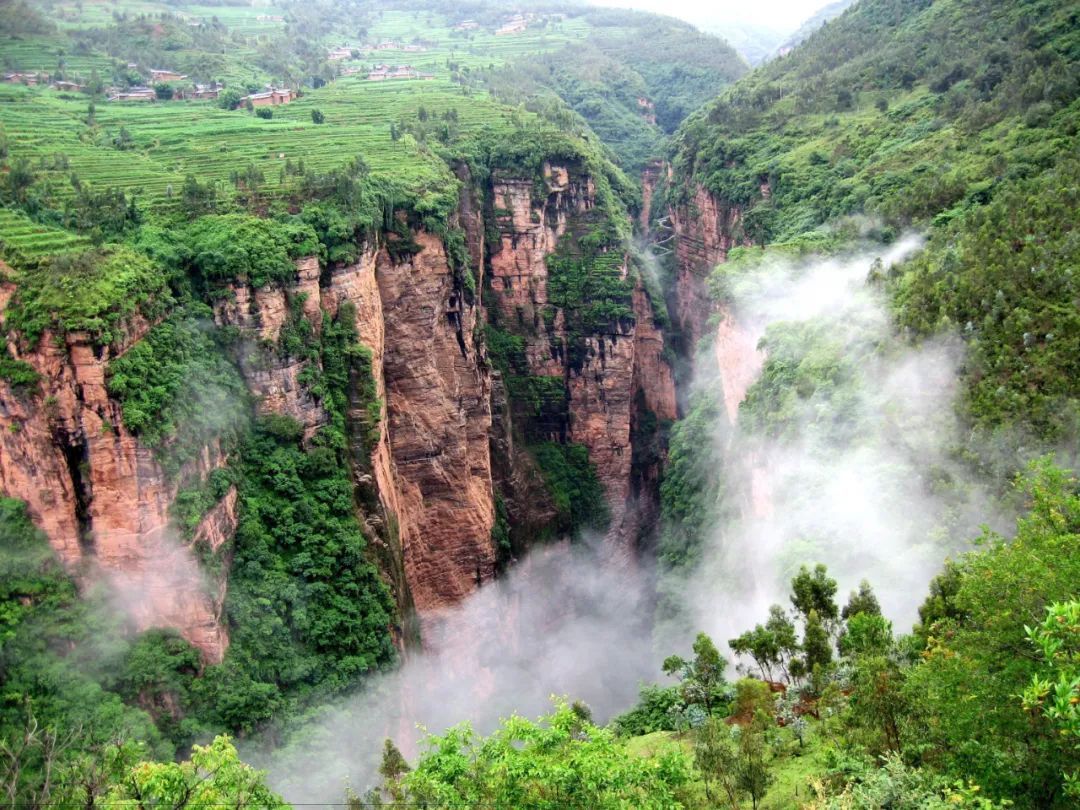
{"x":622,"y":370}
{"x":432,"y":464}
{"x":446,"y":442}
{"x":706,"y":228}
{"x":100,"y":496}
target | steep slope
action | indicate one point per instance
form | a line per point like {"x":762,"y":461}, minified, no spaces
{"x":301,"y":463}
{"x":897,"y":110}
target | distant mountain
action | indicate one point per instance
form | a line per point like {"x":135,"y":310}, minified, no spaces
{"x":755,"y":43}
{"x":759,"y":43}
{"x":812,"y":24}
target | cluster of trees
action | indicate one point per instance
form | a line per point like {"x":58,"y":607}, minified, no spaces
{"x":977,"y":708}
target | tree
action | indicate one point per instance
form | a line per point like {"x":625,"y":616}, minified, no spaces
{"x":558,"y":761}
{"x":878,"y":703}
{"x":164,"y":91}
{"x":197,"y":198}
{"x":95,"y":86}
{"x":783,"y":631}
{"x":229,"y":99}
{"x":266,"y":113}
{"x":20,"y":177}
{"x":817,"y":649}
{"x":980,"y":649}
{"x":814,"y":592}
{"x":761,"y":645}
{"x":123,"y":140}
{"x":317,"y":116}
{"x":754,"y":773}
{"x":1056,"y":690}
{"x":703,"y":676}
{"x":392,"y":768}
{"x":716,"y":755}
{"x":213,"y":777}
{"x":862,"y":601}
{"x":866,"y":634}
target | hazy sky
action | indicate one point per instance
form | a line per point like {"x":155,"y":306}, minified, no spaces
{"x":786,"y":14}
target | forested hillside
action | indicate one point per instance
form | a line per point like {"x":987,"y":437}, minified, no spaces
{"x":957,"y":121}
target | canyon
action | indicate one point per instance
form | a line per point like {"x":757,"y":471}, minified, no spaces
{"x":449,"y":444}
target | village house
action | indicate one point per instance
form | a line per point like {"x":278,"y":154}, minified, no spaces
{"x":132,"y":94}
{"x":382,"y":73}
{"x":270,"y":18}
{"x":467,"y":25}
{"x":165,"y":76}
{"x":344,"y":52}
{"x":270,"y":98}
{"x":389,"y":45}
{"x":205,"y":91}
{"x":69,"y":86}
{"x":515,"y":25}
{"x":29,"y":79}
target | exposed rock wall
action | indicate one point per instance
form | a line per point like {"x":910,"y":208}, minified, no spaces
{"x":439,"y":421}
{"x":445,"y":445}
{"x":99,"y":495}
{"x":618,"y":365}
{"x":432,"y":463}
{"x":705,"y":229}
{"x":650,"y":178}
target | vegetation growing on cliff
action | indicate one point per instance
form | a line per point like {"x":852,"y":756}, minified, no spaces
{"x":59,"y":661}
{"x":307,"y":609}
{"x":575,"y":489}
{"x":94,"y":292}
{"x":178,"y":390}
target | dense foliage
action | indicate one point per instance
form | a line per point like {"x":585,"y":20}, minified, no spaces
{"x":60,"y":657}
{"x":177,"y":388}
{"x":562,"y":760}
{"x":92,"y":292}
{"x":575,"y":489}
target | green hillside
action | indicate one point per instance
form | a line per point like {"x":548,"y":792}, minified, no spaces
{"x":903,"y":112}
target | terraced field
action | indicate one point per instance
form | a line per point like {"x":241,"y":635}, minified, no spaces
{"x":174,"y":139}
{"x":475,"y":49}
{"x":148,"y":149}
{"x":23,"y":235}
{"x":241,"y":19}
{"x":47,"y":54}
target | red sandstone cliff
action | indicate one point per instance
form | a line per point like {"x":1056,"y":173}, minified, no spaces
{"x":432,"y":464}
{"x":100,"y":496}
{"x":619,"y":367}
{"x":705,"y":229}
{"x":104,"y":501}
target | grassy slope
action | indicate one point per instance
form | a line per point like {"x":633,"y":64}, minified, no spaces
{"x":792,"y":767}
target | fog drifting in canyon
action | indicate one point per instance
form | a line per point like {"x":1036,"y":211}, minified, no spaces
{"x":861,"y":480}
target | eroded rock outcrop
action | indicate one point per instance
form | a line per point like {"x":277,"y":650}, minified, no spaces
{"x":706,"y":228}
{"x":613,"y":371}
{"x":101,"y":496}
{"x":432,"y":463}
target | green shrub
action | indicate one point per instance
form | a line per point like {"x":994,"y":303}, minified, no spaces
{"x":177,"y":390}
{"x":575,"y":489}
